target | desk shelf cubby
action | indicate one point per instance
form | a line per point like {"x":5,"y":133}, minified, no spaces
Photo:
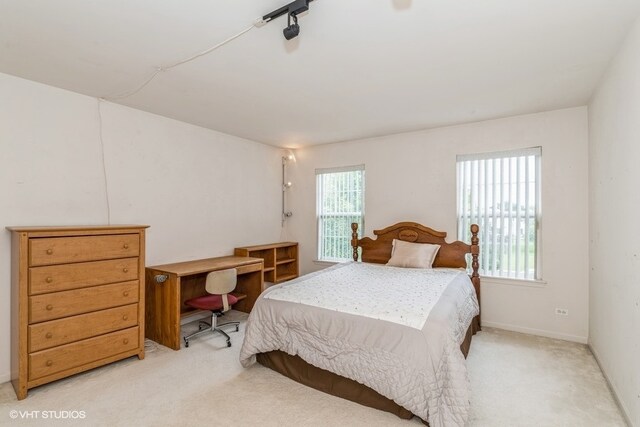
{"x":280,"y":260}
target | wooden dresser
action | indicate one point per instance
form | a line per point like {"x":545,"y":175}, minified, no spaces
{"x":77,"y":300}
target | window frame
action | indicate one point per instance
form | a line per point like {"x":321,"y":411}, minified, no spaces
{"x":501,"y":155}
{"x":324,"y":171}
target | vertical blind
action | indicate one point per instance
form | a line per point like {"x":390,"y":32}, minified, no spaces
{"x":501,"y":193}
{"x":340,"y":201}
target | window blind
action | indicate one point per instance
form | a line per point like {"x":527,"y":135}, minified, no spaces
{"x":501,"y":193}
{"x":340,"y":201}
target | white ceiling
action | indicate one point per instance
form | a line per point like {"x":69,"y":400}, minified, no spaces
{"x":359,"y":68}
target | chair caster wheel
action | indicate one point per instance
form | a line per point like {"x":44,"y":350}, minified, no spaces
{"x":237,"y":328}
{"x":228,"y":343}
{"x":186,"y":344}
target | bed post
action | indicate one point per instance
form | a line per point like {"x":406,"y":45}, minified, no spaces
{"x":475,"y":265}
{"x":354,"y":240}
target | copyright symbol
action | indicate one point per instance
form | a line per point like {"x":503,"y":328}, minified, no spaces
{"x":13,"y":414}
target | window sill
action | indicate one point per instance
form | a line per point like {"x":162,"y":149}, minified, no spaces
{"x":531,"y":283}
{"x":327,"y":263}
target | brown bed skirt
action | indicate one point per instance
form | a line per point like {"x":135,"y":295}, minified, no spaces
{"x":304,"y":373}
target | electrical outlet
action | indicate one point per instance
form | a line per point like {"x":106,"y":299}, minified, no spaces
{"x":562,"y":311}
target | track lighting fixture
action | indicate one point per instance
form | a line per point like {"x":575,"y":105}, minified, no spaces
{"x":292,"y":10}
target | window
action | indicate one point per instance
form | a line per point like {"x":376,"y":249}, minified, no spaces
{"x":340,"y":201}
{"x":501,"y":193}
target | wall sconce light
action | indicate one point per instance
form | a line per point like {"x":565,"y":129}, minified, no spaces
{"x":285,"y":186}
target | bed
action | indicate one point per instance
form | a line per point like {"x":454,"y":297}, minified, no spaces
{"x":391,"y":338}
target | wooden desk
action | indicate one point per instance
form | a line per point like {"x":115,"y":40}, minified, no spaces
{"x":185,"y":280}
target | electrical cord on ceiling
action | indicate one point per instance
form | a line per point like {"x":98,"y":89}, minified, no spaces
{"x":104,"y":164}
{"x":162,"y":68}
{"x":137,"y":89}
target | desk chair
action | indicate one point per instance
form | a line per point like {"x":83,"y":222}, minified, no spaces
{"x":219,"y":284}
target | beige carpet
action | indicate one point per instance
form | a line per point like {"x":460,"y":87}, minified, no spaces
{"x":516,"y":380}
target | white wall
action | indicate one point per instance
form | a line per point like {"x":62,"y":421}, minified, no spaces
{"x":614,"y":183}
{"x":412,"y":177}
{"x":202,"y":192}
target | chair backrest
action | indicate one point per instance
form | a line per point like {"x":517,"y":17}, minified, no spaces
{"x":221,"y":282}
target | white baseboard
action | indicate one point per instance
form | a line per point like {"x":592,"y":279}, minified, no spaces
{"x":532,"y":331}
{"x":623,"y":409}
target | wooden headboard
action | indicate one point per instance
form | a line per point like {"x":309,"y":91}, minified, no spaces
{"x":450,"y":254}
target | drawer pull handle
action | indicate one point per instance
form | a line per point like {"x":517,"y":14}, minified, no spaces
{"x":49,"y":279}
{"x":49,"y":251}
{"x":125,"y":246}
{"x":125,"y":341}
{"x":49,"y":307}
{"x":49,"y":335}
{"x":126,"y":270}
{"x":125,"y":317}
{"x":49,"y":362}
{"x":125,"y":293}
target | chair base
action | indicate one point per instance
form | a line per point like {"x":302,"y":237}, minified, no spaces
{"x":212,"y":327}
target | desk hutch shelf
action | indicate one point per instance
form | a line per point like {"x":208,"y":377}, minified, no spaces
{"x":280,"y":260}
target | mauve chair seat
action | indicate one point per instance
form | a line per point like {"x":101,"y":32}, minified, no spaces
{"x":210,"y":302}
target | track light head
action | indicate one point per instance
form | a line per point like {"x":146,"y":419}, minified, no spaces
{"x":292,"y":30}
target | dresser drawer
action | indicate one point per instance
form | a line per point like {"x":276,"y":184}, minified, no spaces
{"x":81,"y":275}
{"x":79,"y":301}
{"x":63,"y":331}
{"x":61,"y":250}
{"x":48,"y":362}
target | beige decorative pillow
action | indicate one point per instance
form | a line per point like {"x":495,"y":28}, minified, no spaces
{"x":412,"y":255}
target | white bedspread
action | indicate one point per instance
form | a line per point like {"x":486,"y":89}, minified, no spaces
{"x":400,"y":295}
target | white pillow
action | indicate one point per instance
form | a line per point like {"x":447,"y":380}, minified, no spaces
{"x":412,"y":255}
